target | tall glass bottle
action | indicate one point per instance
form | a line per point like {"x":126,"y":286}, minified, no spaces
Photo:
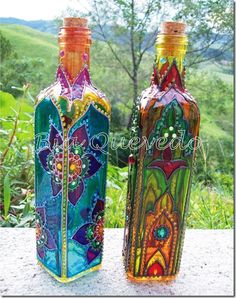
{"x":166,"y":125}
{"x":71,"y":131}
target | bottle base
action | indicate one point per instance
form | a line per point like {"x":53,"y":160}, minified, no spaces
{"x":167,"y":278}
{"x":69,"y":279}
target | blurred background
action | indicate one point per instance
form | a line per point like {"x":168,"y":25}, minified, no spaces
{"x":122,"y":58}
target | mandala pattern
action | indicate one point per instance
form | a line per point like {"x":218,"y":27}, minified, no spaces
{"x":44,"y":239}
{"x":82,"y":165}
{"x":91,"y":233}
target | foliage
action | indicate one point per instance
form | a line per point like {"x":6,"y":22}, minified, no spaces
{"x":129,"y":23}
{"x":210,"y":208}
{"x":211,"y":23}
{"x":16,"y":161}
{"x":5,"y":48}
{"x":116,"y":196}
{"x":31,"y":60}
{"x":215,"y":157}
{"x":6,"y":195}
{"x":25,"y":70}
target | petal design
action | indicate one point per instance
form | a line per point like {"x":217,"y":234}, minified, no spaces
{"x":41,"y":212}
{"x":173,"y":72}
{"x":92,"y":254}
{"x":82,"y":78}
{"x":80,"y":135}
{"x":41,"y":251}
{"x":155,"y":269}
{"x":74,"y":195}
{"x":167,"y":154}
{"x":98,"y":208}
{"x":43,"y":155}
{"x":168,"y":167}
{"x":54,"y":137}
{"x":65,"y":86}
{"x":164,"y":68}
{"x":94,"y":165}
{"x":56,"y":188}
{"x":80,"y":235}
{"x":96,"y":146}
{"x":50,"y":244}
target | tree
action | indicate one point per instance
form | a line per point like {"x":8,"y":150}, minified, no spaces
{"x":127,"y":26}
{"x":211,"y":28}
{"x":16,"y":72}
{"x":130,"y":26}
{"x":5,"y":48}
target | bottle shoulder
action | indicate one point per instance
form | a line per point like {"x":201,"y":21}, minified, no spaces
{"x":80,"y":94}
{"x":153,"y":97}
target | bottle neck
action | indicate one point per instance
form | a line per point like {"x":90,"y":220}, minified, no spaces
{"x":74,"y":49}
{"x":170,"y":60}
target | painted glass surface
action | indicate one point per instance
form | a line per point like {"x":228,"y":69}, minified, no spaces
{"x":167,"y":119}
{"x":70,"y":175}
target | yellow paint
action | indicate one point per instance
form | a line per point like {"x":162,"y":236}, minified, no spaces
{"x":170,"y":47}
{"x":158,"y":257}
{"x":72,"y":167}
{"x":69,"y":279}
{"x":137,"y":260}
{"x":59,"y":166}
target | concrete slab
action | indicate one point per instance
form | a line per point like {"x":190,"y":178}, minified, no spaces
{"x":207,"y":268}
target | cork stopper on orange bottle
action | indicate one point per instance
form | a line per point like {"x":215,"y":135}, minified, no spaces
{"x":75,"y":22}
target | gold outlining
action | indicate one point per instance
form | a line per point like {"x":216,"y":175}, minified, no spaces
{"x":69,"y":279}
{"x":81,"y":107}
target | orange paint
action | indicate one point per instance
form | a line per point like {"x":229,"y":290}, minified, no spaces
{"x":74,"y":43}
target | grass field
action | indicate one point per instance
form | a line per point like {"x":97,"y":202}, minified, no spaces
{"x":28,"y":42}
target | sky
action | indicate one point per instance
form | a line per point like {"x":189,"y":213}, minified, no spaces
{"x":38,"y":9}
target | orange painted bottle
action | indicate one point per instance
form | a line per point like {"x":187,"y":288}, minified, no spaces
{"x":166,"y":123}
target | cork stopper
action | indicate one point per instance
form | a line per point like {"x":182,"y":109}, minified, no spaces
{"x":75,"y":22}
{"x":173,"y":28}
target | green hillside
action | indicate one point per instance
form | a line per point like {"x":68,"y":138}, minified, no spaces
{"x":224,"y":72}
{"x":28,"y":42}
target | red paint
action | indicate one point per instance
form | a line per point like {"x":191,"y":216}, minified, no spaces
{"x":155,"y":270}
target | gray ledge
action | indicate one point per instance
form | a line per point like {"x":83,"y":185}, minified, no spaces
{"x":206,"y":269}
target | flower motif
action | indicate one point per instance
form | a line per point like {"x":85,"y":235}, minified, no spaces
{"x":173,"y":128}
{"x":81,"y":165}
{"x":162,"y":232}
{"x":44,"y":238}
{"x":91,"y":233}
{"x":168,"y":165}
{"x":74,"y":90}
